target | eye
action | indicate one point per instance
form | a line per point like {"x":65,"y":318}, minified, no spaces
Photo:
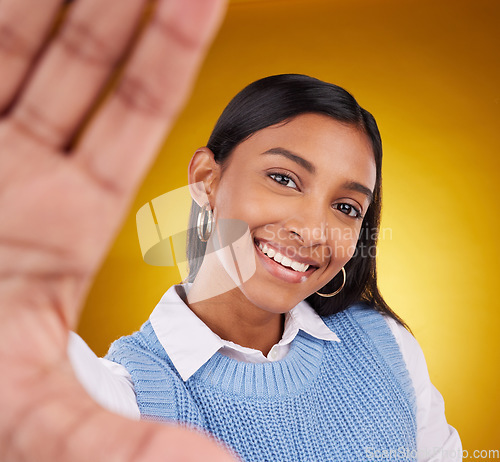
{"x":348,"y":210}
{"x":283,"y":180}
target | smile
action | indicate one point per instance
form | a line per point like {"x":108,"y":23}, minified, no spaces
{"x":283,"y":260}
{"x":288,"y":270}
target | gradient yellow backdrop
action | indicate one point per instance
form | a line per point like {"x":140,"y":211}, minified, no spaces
{"x":429,"y":72}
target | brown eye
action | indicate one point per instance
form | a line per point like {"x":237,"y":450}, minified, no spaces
{"x":283,"y":180}
{"x":348,"y":210}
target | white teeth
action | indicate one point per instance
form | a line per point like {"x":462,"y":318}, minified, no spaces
{"x":302,"y":267}
{"x":285,"y":261}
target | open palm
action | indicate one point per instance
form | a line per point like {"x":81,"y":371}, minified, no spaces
{"x":63,"y":194}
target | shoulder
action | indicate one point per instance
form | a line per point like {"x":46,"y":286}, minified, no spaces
{"x":412,"y":354}
{"x":408,"y":344}
{"x":372,"y":332}
{"x":142,"y":342}
{"x":377,"y":325}
{"x":435,"y":435}
{"x":143,"y":356}
{"x":391,"y":338}
{"x":368,"y":322}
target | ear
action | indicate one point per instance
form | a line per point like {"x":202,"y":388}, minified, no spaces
{"x":203,"y":176}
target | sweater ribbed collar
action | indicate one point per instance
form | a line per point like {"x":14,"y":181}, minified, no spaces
{"x":190,"y":343}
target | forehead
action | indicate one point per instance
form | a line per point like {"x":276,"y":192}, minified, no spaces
{"x":332,"y":147}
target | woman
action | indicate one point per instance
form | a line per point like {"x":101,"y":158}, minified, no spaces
{"x":301,"y":358}
{"x":61,"y":204}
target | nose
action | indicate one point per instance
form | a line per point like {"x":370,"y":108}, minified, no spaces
{"x":309,"y":225}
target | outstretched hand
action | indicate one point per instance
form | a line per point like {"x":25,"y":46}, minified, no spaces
{"x":63,"y":194}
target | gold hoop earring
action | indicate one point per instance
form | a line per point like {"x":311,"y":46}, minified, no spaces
{"x":205,"y":220}
{"x":338,"y":290}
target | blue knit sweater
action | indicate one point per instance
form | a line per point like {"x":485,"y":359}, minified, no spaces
{"x":351,"y":400}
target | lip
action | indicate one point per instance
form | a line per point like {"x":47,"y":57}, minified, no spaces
{"x":281,"y":272}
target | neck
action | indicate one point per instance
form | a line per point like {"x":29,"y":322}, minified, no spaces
{"x":229,"y":314}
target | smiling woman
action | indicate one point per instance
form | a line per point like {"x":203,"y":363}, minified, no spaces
{"x":335,"y":149}
{"x":303,"y":360}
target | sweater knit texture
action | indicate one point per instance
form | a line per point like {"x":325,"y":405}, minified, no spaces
{"x":351,"y":400}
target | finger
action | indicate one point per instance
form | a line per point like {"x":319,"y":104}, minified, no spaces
{"x":75,"y":68}
{"x":58,"y":422}
{"x":23,"y":27}
{"x":131,"y":126}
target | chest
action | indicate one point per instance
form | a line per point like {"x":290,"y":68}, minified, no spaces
{"x":344,"y":408}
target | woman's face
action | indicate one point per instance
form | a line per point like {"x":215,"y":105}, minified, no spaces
{"x":302,"y":187}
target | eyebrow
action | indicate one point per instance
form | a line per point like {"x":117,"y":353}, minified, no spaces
{"x":355,"y":186}
{"x":351,"y":185}
{"x":293,"y":157}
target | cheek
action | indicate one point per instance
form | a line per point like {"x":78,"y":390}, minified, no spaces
{"x":343,"y":243}
{"x":244,"y":201}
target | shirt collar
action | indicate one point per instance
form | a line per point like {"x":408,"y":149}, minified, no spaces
{"x":190,"y":343}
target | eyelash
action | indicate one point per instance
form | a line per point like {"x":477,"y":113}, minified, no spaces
{"x":285,"y":176}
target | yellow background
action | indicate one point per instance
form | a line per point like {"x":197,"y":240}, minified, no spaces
{"x":429,"y":72}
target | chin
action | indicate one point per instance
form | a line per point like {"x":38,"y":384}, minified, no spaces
{"x":271,"y":298}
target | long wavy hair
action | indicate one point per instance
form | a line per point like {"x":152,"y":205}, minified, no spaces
{"x":279,"y":98}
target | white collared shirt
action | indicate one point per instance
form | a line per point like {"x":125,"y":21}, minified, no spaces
{"x":111,"y":386}
{"x":173,"y":322}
